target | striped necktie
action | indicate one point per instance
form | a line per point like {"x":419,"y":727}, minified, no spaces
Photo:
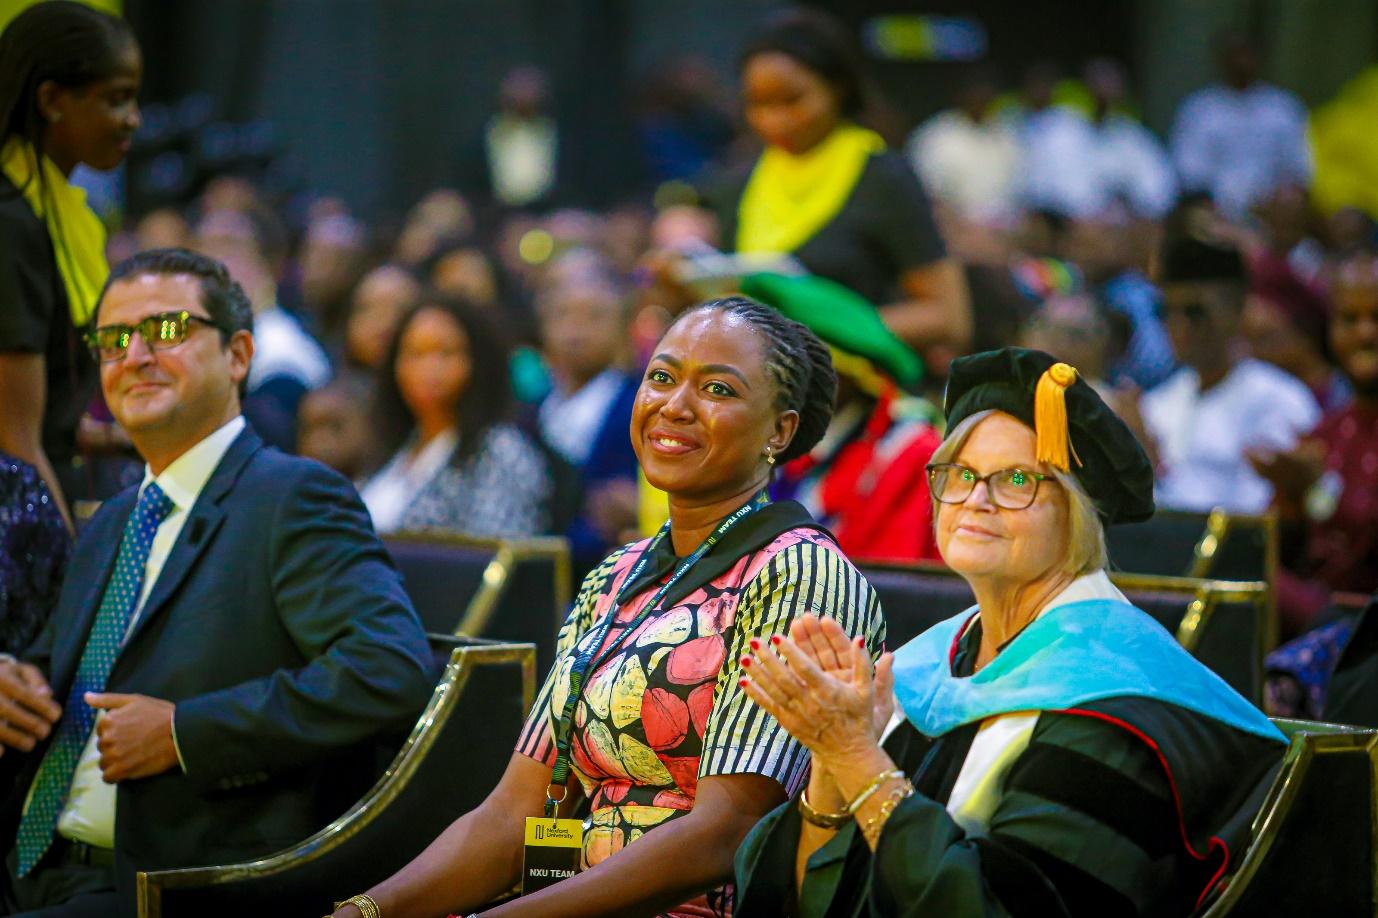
{"x":121,"y":597}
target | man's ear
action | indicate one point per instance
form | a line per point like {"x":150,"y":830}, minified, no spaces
{"x":241,"y":348}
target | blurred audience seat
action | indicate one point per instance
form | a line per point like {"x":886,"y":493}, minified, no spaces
{"x":1311,"y":843}
{"x":1229,"y":626}
{"x":1219,"y":545}
{"x":516,"y":590}
{"x":454,"y":756}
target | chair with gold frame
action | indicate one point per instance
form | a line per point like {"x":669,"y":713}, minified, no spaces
{"x":1229,"y":626}
{"x":506,"y":589}
{"x":1311,"y":842}
{"x":1217,"y":545}
{"x":454,"y":756}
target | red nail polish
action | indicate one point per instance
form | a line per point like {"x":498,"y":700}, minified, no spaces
{"x":755,"y":643}
{"x":745,"y":661}
{"x":775,"y":639}
{"x":743,"y":681}
{"x":860,"y":642}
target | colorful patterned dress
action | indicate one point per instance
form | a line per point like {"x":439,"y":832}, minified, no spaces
{"x":666,"y":709}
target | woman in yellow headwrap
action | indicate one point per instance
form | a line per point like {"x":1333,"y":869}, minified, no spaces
{"x":68,"y":79}
{"x":826,"y":191}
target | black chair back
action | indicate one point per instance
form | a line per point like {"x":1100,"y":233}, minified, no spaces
{"x":915,"y":599}
{"x":1352,"y":697}
{"x":441,"y":578}
{"x":1218,"y":545}
{"x":1311,"y":848}
{"x":510,"y":590}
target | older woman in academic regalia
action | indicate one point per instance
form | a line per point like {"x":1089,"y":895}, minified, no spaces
{"x":1055,"y":752}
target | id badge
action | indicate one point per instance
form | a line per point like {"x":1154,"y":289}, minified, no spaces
{"x":553,"y":847}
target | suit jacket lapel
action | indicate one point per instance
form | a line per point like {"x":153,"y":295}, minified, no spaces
{"x":71,"y":638}
{"x":199,"y":530}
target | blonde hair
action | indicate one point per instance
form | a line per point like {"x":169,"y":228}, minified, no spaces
{"x":1086,"y":551}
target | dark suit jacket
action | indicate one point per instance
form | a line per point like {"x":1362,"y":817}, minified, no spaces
{"x":280,"y":629}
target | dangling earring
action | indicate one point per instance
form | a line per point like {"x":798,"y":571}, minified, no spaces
{"x":770,"y":455}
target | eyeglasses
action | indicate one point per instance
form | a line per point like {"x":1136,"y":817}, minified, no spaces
{"x":160,"y":332}
{"x":1010,"y":489}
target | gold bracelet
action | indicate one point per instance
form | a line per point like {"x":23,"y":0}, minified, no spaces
{"x":365,"y":904}
{"x":861,"y":798}
{"x":818,"y":817}
{"x":871,"y":831}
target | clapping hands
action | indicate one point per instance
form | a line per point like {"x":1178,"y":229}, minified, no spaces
{"x":821,"y":687}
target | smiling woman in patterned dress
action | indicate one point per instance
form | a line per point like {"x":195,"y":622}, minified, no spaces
{"x":675,"y":761}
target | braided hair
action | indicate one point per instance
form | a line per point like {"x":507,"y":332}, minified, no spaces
{"x":797,"y":361}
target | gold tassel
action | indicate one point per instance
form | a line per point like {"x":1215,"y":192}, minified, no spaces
{"x":1050,"y":416}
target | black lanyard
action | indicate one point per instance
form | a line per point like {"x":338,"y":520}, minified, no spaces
{"x":595,"y":655}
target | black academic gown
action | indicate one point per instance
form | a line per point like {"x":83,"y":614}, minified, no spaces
{"x":1129,"y":807}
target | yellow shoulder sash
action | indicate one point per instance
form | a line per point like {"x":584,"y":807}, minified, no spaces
{"x":789,"y":198}
{"x":76,"y":232}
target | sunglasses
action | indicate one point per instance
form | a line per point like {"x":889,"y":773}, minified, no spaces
{"x":1010,"y":489}
{"x":110,"y":343}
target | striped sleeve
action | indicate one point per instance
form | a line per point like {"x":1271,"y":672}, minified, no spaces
{"x":741,"y":738}
{"x":1089,"y":808}
{"x":1086,"y":826}
{"x":537,"y":739}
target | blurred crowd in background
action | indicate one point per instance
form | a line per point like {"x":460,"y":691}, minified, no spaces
{"x":472,"y":363}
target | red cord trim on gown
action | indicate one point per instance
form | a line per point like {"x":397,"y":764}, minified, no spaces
{"x":1216,"y":843}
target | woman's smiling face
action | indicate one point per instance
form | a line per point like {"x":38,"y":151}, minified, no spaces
{"x":706,"y":410}
{"x":977,"y":539}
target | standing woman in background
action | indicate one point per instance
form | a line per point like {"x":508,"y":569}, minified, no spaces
{"x":827,"y":191}
{"x":69,"y":76}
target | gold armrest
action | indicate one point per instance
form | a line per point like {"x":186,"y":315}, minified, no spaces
{"x":464,"y":659}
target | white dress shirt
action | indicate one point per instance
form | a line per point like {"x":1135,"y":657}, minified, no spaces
{"x":282,"y":348}
{"x":522,"y":157}
{"x":971,"y":167}
{"x":89,"y":815}
{"x":570,"y":422}
{"x":1082,"y":168}
{"x":1240,"y":144}
{"x":1203,"y":437}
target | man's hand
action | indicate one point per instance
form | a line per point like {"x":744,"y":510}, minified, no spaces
{"x":1290,"y":472}
{"x":134,"y":737}
{"x":27,"y":709}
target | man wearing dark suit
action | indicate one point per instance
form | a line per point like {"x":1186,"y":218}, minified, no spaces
{"x":228,"y":631}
